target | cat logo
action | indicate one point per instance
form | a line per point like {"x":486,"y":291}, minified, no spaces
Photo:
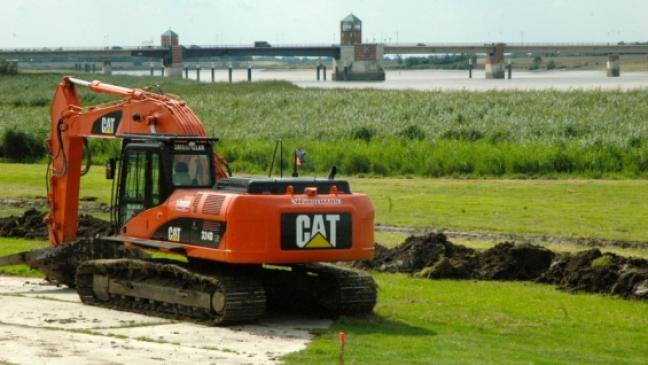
{"x":320,"y":232}
{"x":315,"y":231}
{"x":174,"y":234}
{"x":108,"y":125}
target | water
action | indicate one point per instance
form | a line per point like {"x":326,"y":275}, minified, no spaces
{"x":443,"y":79}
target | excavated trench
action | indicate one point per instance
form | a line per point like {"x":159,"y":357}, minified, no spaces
{"x":433,"y":256}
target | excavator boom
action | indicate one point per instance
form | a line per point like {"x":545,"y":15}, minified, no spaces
{"x":138,"y":112}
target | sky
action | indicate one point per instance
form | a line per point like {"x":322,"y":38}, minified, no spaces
{"x":91,"y":23}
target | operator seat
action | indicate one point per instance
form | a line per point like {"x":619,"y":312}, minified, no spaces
{"x":181,"y":174}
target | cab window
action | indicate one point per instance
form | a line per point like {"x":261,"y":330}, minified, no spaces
{"x":191,"y":170}
{"x":134,"y":188}
{"x":141,"y":185}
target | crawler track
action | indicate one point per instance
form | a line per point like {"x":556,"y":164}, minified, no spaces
{"x":321,"y":288}
{"x":171,"y":290}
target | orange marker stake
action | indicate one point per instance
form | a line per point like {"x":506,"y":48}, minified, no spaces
{"x":342,"y":339}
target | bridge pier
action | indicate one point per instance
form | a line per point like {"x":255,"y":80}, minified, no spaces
{"x":173,"y":70}
{"x":613,"y":66}
{"x":107,"y":67}
{"x":494,"y":65}
{"x":172,"y":61}
{"x":360,"y":62}
{"x":470,"y":67}
{"x":357,"y":61}
{"x":198,"y":72}
{"x":509,"y":69}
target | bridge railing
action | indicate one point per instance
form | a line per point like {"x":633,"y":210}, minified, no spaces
{"x":517,"y":44}
{"x":80,"y":49}
{"x":270,"y":45}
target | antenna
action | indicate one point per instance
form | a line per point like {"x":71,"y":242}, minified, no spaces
{"x":281,"y":158}
{"x":274,"y":155}
{"x":332,"y":173}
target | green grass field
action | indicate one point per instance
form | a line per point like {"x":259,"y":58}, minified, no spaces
{"x":422,"y":321}
{"x":568,"y":208}
{"x":610,"y":209}
{"x":391,"y":133}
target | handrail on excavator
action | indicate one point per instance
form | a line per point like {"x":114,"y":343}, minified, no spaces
{"x":102,"y":87}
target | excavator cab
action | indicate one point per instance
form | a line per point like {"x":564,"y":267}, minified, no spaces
{"x":154,"y":167}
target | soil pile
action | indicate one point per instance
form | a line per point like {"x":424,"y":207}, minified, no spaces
{"x":31,"y":226}
{"x":419,"y":252}
{"x":508,"y":261}
{"x":597,"y":272}
{"x":433,"y":256}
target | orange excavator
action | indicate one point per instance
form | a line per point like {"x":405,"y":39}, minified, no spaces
{"x":249,"y":244}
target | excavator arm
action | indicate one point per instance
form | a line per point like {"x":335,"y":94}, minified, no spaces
{"x":138,"y":112}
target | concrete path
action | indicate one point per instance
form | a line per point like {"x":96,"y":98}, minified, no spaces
{"x":44,"y":324}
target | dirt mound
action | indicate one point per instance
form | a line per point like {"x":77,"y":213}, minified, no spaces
{"x":31,"y":226}
{"x":90,"y":226}
{"x":433,"y":256}
{"x":508,"y":261}
{"x":597,"y":272}
{"x":416,"y":253}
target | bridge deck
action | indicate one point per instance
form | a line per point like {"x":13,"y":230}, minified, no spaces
{"x":322,"y":50}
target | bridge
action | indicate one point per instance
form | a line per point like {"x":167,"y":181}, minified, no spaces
{"x":565,"y":48}
{"x":352,"y":59}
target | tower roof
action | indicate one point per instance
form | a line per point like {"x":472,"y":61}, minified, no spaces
{"x":169,"y":33}
{"x":351,"y":19}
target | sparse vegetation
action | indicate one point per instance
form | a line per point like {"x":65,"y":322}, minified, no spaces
{"x":535,"y":65}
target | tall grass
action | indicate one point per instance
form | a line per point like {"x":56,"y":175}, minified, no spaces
{"x":436,"y":158}
{"x":383,"y":132}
